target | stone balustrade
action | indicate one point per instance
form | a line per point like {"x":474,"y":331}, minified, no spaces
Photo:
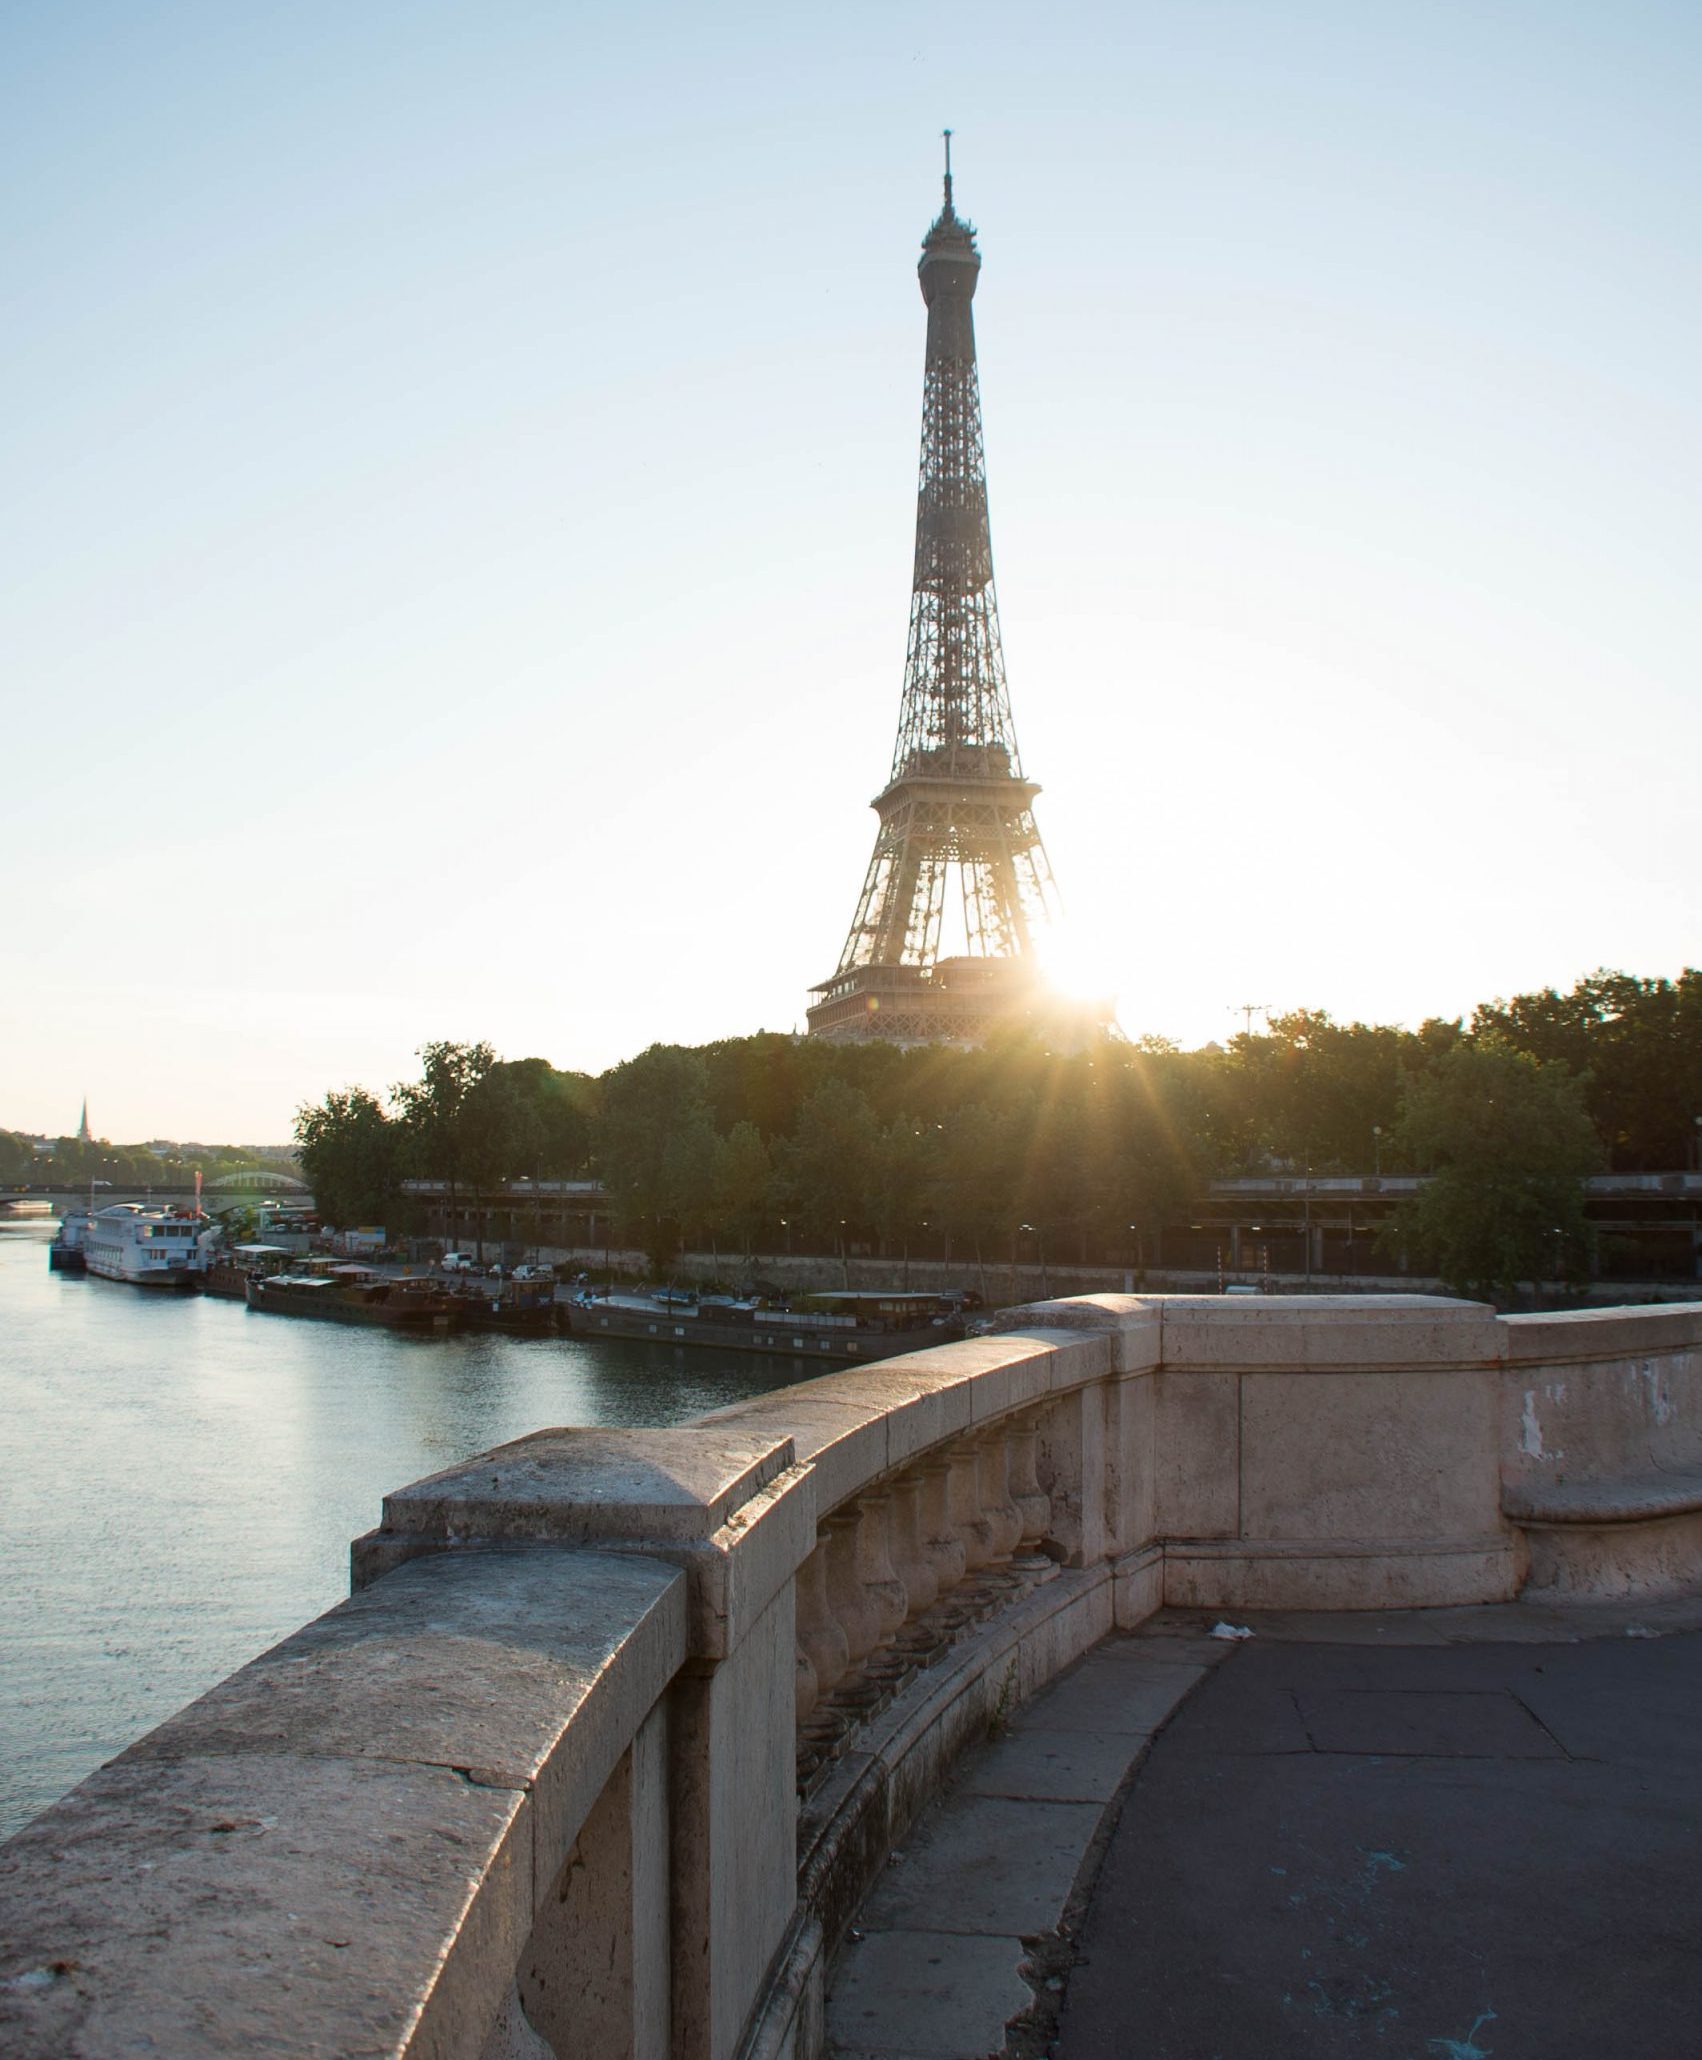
{"x":617,"y":1726}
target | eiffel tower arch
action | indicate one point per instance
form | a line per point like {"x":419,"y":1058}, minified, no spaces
{"x":957,"y":833}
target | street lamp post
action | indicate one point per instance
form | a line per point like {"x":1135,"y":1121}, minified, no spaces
{"x":1377,"y":1148}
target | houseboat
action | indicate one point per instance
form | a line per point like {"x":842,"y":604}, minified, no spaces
{"x":522,"y":1308}
{"x":68,"y":1252}
{"x":147,"y":1247}
{"x":356,"y":1294}
{"x":234,"y":1267}
{"x":837,"y":1329}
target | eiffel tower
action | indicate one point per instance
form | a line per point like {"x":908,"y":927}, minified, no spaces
{"x":956,"y":809}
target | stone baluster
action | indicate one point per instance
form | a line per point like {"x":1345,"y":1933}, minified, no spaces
{"x":909,"y":1554}
{"x":942,"y":1548}
{"x":1033,"y":1503}
{"x":853,"y":1610}
{"x":968,"y":1519}
{"x":993,"y":1477}
{"x":880,"y":1581}
{"x":822,"y":1645}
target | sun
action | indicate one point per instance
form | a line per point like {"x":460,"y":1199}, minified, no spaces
{"x":1072,"y":965}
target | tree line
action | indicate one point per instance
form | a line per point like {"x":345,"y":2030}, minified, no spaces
{"x":75,"y":1162}
{"x":744,"y":1142}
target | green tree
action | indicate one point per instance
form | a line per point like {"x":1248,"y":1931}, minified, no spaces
{"x":828,"y":1170}
{"x":647,"y":1103}
{"x":906,"y":1173}
{"x":19,"y":1164}
{"x":445,"y":1123}
{"x":745,"y":1201}
{"x":529,"y":1122}
{"x":692,"y":1172}
{"x":351,"y":1156}
{"x":1636,"y":1044}
{"x":1509,"y":1143}
{"x":978,"y":1180}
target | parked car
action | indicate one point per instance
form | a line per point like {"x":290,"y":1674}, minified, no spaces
{"x":458,"y":1262}
{"x":533,"y":1273}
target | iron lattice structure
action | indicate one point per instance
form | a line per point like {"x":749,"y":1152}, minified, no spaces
{"x":956,"y":805}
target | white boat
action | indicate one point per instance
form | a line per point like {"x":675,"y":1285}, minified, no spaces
{"x":67,"y":1253}
{"x":163,"y":1248}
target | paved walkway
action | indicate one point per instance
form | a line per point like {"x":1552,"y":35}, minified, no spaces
{"x":1432,"y":1835}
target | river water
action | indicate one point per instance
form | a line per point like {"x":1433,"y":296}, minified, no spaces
{"x":180,"y":1479}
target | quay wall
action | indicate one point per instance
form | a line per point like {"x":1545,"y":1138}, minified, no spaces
{"x":617,"y":1726}
{"x":1003,"y":1284}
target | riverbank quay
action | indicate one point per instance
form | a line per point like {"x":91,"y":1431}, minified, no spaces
{"x":619,"y":1728}
{"x":1004,"y":1284}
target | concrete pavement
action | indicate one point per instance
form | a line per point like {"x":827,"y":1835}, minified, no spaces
{"x":963,"y":1933}
{"x":1425,"y":1835}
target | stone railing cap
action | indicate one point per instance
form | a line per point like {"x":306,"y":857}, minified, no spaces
{"x":1078,"y":1312}
{"x":1296,"y":1308}
{"x":1254,"y":1332}
{"x":680,"y":1484}
{"x":343,"y":1847}
{"x":1598,"y":1333}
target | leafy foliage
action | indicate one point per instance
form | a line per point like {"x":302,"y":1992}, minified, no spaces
{"x":351,"y":1156}
{"x":1509,"y":1142}
{"x":470,"y":1119}
{"x":75,"y":1161}
{"x":1636,"y":1044}
{"x":876,"y":1145}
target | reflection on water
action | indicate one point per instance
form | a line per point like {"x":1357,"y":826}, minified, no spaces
{"x":179,"y":1481}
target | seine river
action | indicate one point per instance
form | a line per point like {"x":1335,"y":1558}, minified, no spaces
{"x":179,"y":1481}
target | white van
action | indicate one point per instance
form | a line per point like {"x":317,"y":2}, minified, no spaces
{"x":457,"y":1262}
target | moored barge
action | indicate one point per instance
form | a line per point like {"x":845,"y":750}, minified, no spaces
{"x":356,"y":1294}
{"x":233,"y":1268}
{"x":844,"y":1329}
{"x":521,"y":1308}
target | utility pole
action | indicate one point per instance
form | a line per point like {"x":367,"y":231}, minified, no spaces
{"x":1246,"y":1010}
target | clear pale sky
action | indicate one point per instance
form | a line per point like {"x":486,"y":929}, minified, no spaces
{"x":457,"y":481}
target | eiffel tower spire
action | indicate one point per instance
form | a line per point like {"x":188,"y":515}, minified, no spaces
{"x":956,"y":809}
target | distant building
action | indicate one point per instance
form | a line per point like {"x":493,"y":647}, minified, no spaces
{"x":84,"y":1135}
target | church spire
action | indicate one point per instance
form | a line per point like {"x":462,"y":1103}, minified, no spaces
{"x":83,"y":1136}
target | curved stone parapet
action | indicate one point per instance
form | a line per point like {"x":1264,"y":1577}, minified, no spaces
{"x":363,"y":1839}
{"x":1602,"y":1449}
{"x":618,"y":1725}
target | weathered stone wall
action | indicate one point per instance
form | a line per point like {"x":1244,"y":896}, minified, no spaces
{"x":618,"y":1725}
{"x":1601,"y":1437}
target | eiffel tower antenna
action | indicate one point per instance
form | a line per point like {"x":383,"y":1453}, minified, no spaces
{"x":956,"y":809}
